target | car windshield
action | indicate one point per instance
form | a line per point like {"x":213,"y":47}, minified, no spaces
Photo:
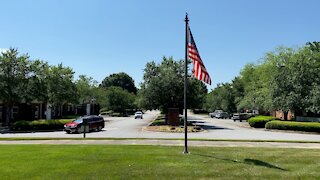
{"x":138,"y":112}
{"x":78,"y":121}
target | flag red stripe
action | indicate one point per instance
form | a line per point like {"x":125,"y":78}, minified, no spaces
{"x":199,"y":70}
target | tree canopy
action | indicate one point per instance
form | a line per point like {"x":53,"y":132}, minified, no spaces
{"x":118,"y":99}
{"x":163,"y":86}
{"x":286,"y":79}
{"x":122,"y":80}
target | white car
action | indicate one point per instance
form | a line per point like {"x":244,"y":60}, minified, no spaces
{"x":138,"y":114}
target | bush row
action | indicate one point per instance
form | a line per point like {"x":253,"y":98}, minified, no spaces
{"x":295,"y":126}
{"x":260,"y":121}
{"x":39,"y":125}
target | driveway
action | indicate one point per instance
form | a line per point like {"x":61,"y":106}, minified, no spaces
{"x":128,"y":127}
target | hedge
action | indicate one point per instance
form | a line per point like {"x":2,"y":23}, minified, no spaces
{"x":35,"y":125}
{"x":295,"y":126}
{"x":260,"y":121}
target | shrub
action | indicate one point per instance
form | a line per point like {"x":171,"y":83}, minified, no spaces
{"x":260,"y":121}
{"x":103,"y":110}
{"x":200,"y":111}
{"x":71,"y":117}
{"x":21,"y":125}
{"x":115,"y":114}
{"x":39,"y":125}
{"x":158,"y":122}
{"x":295,"y":126}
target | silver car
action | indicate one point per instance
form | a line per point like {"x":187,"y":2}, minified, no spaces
{"x":138,"y":114}
{"x":222,"y":115}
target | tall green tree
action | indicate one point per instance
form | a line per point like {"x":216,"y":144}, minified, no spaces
{"x":37,"y":84}
{"x":86,"y":89}
{"x":163,"y":87}
{"x":14,"y":79}
{"x":221,"y":97}
{"x":122,"y":80}
{"x":60,"y":86}
{"x":314,"y":46}
{"x":118,"y":99}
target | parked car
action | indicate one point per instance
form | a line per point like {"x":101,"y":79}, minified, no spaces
{"x":222,"y":115}
{"x":236,"y":116}
{"x":241,"y":116}
{"x":94,"y":123}
{"x":213,"y":114}
{"x":138,"y":114}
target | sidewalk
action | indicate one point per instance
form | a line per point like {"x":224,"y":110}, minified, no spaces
{"x":168,"y":143}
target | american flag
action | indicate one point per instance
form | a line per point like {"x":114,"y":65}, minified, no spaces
{"x":199,"y":70}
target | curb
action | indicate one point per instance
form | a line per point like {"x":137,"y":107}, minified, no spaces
{"x":167,"y":143}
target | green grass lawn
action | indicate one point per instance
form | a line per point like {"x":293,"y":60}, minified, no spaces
{"x":155,"y":162}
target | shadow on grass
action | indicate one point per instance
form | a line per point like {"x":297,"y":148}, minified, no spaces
{"x":245,"y":161}
{"x":262,"y":163}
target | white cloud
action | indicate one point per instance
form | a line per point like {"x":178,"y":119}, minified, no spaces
{"x":3,"y":50}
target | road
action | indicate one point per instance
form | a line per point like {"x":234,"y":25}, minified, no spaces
{"x":128,"y":127}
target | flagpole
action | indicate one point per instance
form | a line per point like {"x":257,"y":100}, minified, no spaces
{"x":185,"y":89}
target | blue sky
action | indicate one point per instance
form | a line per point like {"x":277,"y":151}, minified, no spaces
{"x":98,"y":38}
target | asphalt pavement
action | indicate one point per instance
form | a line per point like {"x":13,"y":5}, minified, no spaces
{"x":219,"y":129}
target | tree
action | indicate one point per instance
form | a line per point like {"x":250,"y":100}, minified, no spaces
{"x":122,"y":80}
{"x":197,"y":93}
{"x":60,"y":86}
{"x":221,"y":97}
{"x":86,"y":88}
{"x":14,"y":72}
{"x":37,"y":84}
{"x":118,"y":99}
{"x":295,"y":87}
{"x":314,"y":46}
{"x":164,"y":84}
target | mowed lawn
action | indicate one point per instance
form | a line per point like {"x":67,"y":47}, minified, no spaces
{"x":155,"y":162}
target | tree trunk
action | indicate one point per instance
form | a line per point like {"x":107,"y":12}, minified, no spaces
{"x":8,"y":114}
{"x":61,"y":110}
{"x":285,"y":115}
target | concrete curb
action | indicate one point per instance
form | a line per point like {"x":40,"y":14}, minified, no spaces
{"x":167,"y":143}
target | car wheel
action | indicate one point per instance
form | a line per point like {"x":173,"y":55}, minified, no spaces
{"x":68,"y":132}
{"x":240,"y":120}
{"x":78,"y":130}
{"x":234,"y":120}
{"x":99,"y":128}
